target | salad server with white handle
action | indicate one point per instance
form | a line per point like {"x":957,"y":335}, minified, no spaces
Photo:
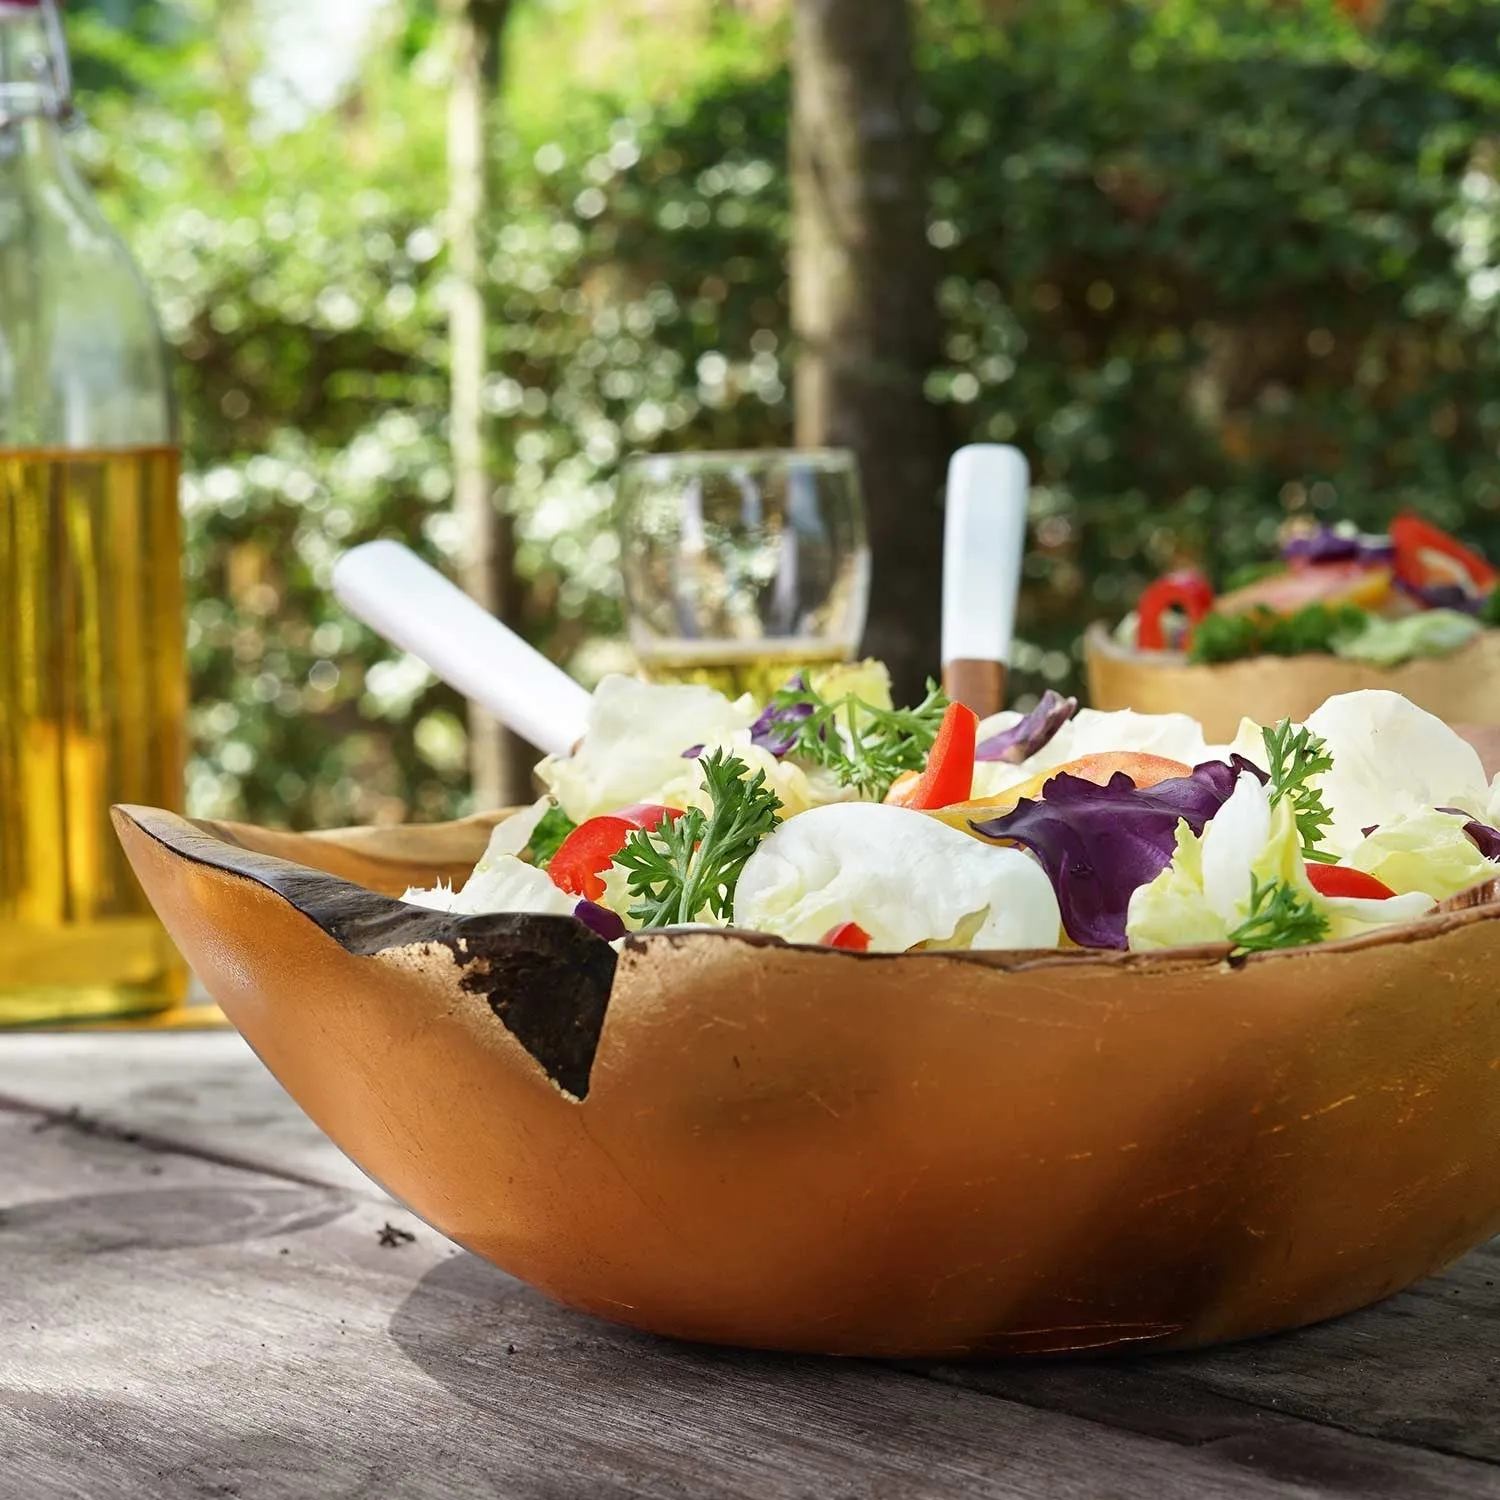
{"x":410,"y":604}
{"x":984,"y":543}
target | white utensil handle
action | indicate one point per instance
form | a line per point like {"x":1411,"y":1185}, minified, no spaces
{"x":413,"y":606}
{"x":984,"y":544}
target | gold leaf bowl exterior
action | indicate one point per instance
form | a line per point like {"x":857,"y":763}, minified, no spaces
{"x":721,"y":1137}
{"x":1462,"y":687}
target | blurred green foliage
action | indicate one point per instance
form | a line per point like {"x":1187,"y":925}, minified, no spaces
{"x":1207,"y":263}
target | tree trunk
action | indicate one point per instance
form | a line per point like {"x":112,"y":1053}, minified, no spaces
{"x":864,"y":304}
{"x":496,"y":758}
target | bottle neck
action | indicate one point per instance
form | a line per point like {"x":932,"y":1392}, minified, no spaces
{"x":35,"y":79}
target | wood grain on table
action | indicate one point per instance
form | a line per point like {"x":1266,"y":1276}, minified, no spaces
{"x":203,"y":1298}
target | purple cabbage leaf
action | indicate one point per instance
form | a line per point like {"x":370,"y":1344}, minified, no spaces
{"x":1028,"y":735}
{"x":1099,"y":843}
{"x":1444,"y":596}
{"x":1320,"y":546}
{"x":600,"y":919}
{"x":1325,"y":545}
{"x":776,"y":729}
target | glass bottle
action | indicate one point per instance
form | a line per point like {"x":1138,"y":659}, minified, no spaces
{"x":92,"y":673}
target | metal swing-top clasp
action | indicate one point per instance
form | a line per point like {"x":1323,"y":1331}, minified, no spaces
{"x":34,"y":79}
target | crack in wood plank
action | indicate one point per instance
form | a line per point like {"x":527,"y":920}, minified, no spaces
{"x":73,"y":1118}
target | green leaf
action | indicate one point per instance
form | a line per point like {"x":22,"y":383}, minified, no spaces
{"x":548,"y":835}
{"x":1313,"y":629}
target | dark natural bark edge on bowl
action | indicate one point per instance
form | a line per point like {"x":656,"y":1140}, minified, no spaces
{"x":546,"y":978}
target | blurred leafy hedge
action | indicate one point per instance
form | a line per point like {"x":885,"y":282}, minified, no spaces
{"x":1206,"y":263}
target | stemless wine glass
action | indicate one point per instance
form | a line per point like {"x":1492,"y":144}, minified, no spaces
{"x":743,"y":568}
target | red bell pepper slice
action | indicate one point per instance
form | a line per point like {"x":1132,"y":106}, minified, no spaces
{"x":849,"y":935}
{"x":1426,"y":555}
{"x":582,"y":858}
{"x":949,"y":776}
{"x":1340,"y":880}
{"x":1187,"y":590}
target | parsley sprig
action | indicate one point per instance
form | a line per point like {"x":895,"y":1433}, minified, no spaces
{"x":1296,"y":756}
{"x":1280,"y":916}
{"x":866,"y":748}
{"x":689,"y":866}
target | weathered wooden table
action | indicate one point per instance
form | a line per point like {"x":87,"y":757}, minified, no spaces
{"x":200,"y":1297}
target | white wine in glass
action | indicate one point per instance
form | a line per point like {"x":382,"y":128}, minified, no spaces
{"x":742,"y":569}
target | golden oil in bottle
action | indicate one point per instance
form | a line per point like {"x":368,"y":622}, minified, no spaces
{"x":92,"y":709}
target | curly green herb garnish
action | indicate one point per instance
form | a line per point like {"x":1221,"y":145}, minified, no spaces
{"x":866,"y":748}
{"x":1280,"y":916}
{"x":1296,"y":756}
{"x":686,"y":870}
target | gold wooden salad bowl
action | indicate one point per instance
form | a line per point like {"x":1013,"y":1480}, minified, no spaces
{"x":1462,"y":687}
{"x":721,"y":1137}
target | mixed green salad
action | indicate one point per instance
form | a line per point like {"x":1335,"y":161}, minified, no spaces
{"x":1412,"y":592}
{"x":829,"y":816}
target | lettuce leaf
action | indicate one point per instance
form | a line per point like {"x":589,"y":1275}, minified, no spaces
{"x":905,"y":878}
{"x":1208,"y":891}
{"x":1431,"y":851}
{"x":632,"y":747}
{"x":1388,"y":643}
{"x":1389,"y":758}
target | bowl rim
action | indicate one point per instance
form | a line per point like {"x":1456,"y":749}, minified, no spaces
{"x":328,"y":901}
